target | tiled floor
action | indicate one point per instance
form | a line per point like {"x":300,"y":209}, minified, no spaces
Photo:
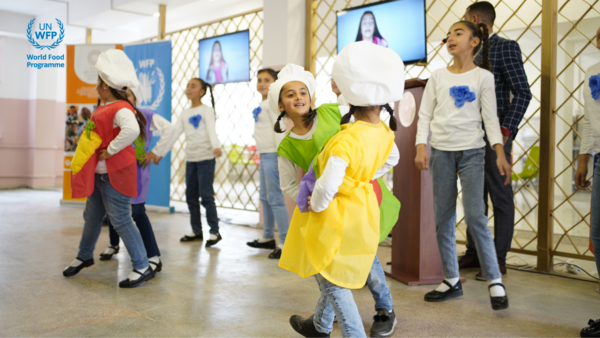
{"x":230,"y":290}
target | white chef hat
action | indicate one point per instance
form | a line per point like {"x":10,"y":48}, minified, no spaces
{"x":138,"y":93}
{"x":289,"y":73}
{"x":117,"y":70}
{"x":368,"y":74}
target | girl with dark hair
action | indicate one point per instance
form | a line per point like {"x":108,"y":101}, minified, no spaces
{"x":456,"y":101}
{"x":218,"y":71}
{"x":202,"y":146}
{"x":368,"y":31}
{"x":138,"y":203}
{"x":271,"y":197}
{"x":104,"y":167}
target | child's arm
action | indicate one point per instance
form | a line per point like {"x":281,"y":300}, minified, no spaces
{"x":389,"y":163}
{"x":211,"y":129}
{"x":428,"y":103}
{"x":288,"y":177}
{"x":177,"y":131}
{"x":130,"y":130}
{"x":489,"y":113}
{"x":586,"y":151}
{"x":328,"y":184}
{"x":161,"y":148}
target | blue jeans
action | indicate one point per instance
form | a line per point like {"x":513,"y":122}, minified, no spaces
{"x":274,"y":208}
{"x":595,"y":231}
{"x":138,"y":213}
{"x":344,"y":308}
{"x":376,"y":282}
{"x":199,"y":178}
{"x":106,"y":200}
{"x":469,"y":165}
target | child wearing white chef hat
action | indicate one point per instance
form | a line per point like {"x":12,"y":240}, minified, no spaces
{"x":337,"y":239}
{"x":104,"y":167}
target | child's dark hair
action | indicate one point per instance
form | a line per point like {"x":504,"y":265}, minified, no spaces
{"x":271,"y":72}
{"x":481,"y":32}
{"x":354,"y":109}
{"x":307,"y":119}
{"x":206,"y":86}
{"x":122,"y":95}
{"x":376,"y":33}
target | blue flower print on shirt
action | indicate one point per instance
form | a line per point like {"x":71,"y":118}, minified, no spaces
{"x":595,"y":85}
{"x":255,"y":112}
{"x":195,"y":120}
{"x":460,"y":94}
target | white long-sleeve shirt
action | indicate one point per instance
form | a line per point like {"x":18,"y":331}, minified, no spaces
{"x":267,"y":140}
{"x":166,"y":130}
{"x":200,"y":142}
{"x":454,"y":128}
{"x":130,"y":130}
{"x":590,"y":137}
{"x":333,"y":176}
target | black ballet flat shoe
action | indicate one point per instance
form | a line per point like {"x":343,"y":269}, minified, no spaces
{"x":453,"y":292}
{"x":262,"y":245}
{"x":593,"y":330}
{"x":106,"y":257}
{"x":71,"y":271}
{"x":306,"y":327}
{"x":212,"y":242}
{"x":499,"y":303}
{"x":187,"y":238}
{"x":128,"y":283}
{"x":276,"y":254}
{"x":157,"y":267}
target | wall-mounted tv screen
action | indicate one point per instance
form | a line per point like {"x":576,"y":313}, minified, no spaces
{"x":397,"y":24}
{"x":225,"y":58}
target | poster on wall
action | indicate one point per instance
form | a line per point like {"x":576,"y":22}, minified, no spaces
{"x":82,"y":100}
{"x":152,"y":62}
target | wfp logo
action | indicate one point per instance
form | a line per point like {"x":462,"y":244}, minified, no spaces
{"x":45,"y":33}
{"x":153,"y":84}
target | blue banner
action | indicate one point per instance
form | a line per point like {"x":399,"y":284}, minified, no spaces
{"x":152,"y":63}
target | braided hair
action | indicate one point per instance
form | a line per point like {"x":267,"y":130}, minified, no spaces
{"x":354,"y":109}
{"x":481,"y":32}
{"x":122,"y":95}
{"x":206,"y":86}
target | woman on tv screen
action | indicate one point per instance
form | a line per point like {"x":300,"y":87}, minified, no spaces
{"x":367,"y":30}
{"x":217,"y":70}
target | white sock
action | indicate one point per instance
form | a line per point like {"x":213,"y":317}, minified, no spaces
{"x":75,"y":263}
{"x":443,"y":287}
{"x":497,"y":291}
{"x":262,"y":240}
{"x":213,"y":237}
{"x":280,"y":246}
{"x":155,"y":259}
{"x":135,"y":276}
{"x":193,"y":234}
{"x":109,"y":251}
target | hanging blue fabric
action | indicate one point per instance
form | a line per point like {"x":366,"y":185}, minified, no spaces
{"x":595,"y":85}
{"x":255,"y":112}
{"x":195,"y":120}
{"x":460,"y":94}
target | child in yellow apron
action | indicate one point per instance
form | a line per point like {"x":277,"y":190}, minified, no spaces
{"x":337,"y":240}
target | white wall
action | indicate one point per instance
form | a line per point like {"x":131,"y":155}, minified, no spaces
{"x":284,"y":32}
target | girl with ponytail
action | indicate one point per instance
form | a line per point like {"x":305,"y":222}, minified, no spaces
{"x":456,"y":102}
{"x":202,"y":146}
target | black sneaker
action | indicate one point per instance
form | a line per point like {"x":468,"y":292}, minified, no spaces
{"x":262,"y":245}
{"x":196,"y":237}
{"x":593,"y":330}
{"x":276,"y":254}
{"x":384,"y":323}
{"x":306,"y":327}
{"x":212,"y":242}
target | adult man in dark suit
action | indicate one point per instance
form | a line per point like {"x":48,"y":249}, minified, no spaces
{"x":510,"y":78}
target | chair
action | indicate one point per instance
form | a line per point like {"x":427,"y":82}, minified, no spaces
{"x":530,"y":170}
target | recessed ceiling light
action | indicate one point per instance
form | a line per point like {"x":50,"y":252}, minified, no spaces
{"x":157,"y":14}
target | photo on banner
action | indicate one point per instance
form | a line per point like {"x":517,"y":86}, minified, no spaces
{"x":225,"y":58}
{"x":152,"y":62}
{"x":398,"y":25}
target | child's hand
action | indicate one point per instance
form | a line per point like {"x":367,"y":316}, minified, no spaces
{"x":582,"y":172}
{"x":217,"y":152}
{"x":309,"y":208}
{"x":147,"y":158}
{"x":503,"y":165}
{"x":103,"y":155}
{"x":157,"y":160}
{"x":422,"y":159}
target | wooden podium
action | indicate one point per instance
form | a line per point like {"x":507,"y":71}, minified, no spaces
{"x":415,"y":256}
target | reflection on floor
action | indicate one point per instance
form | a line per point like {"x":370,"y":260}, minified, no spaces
{"x":230,"y":290}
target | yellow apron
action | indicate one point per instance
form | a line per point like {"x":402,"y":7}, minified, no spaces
{"x":340,"y":242}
